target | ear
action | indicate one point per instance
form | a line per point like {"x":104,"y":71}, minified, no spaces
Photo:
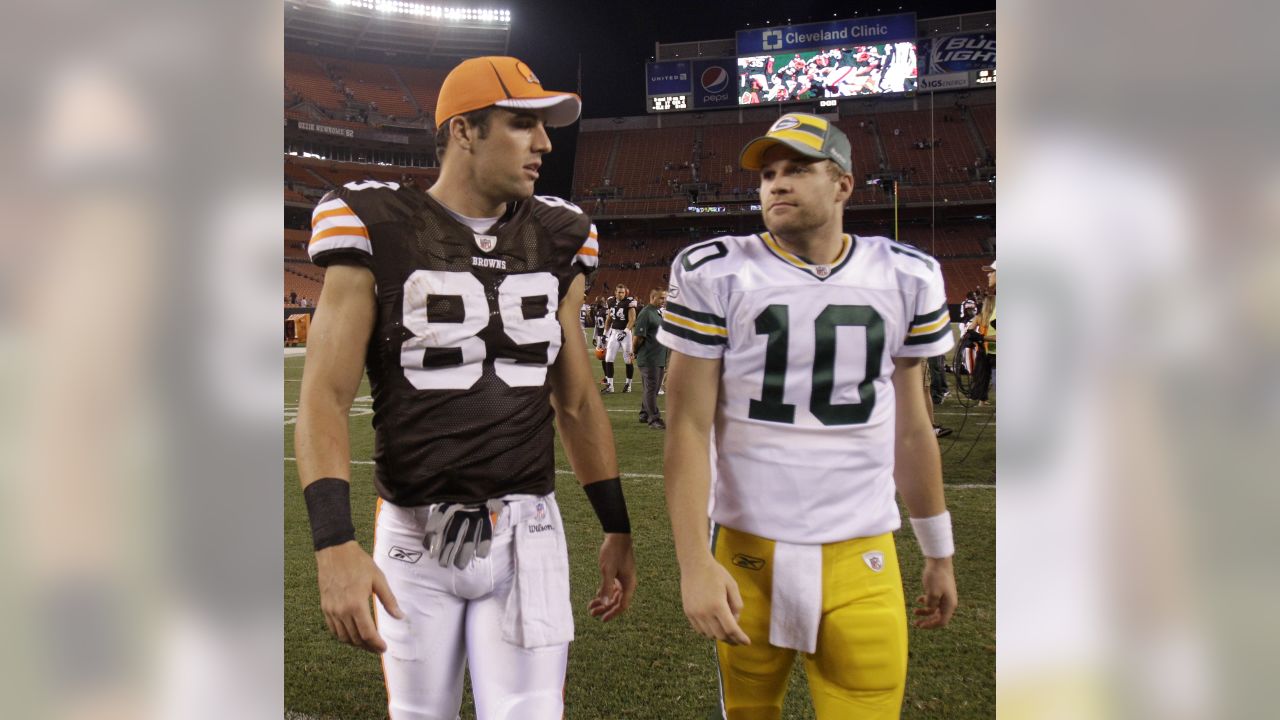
{"x":844,"y":188}
{"x":461,"y":135}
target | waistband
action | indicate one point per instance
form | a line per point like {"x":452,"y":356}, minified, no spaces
{"x":514,"y":508}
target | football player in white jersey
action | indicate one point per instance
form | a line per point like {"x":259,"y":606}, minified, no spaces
{"x":798,"y":352}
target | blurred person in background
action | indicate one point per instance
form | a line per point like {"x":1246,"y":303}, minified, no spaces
{"x":598,"y":313}
{"x":651,"y":356}
{"x":620,"y":317}
{"x":983,"y":331}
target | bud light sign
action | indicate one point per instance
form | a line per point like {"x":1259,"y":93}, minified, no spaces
{"x":958,"y":53}
{"x":715,"y":83}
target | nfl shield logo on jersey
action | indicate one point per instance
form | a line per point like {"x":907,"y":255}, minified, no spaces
{"x":486,"y":242}
{"x":874,"y":560}
{"x":822,"y":270}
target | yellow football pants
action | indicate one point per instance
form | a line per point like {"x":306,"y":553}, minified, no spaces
{"x":860,"y":666}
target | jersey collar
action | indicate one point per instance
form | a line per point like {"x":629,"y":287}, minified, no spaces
{"x":821,"y":272}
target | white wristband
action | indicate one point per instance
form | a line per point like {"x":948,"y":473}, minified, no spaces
{"x":934,"y":535}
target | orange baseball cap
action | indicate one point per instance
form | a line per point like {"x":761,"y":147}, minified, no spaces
{"x":506,"y":82}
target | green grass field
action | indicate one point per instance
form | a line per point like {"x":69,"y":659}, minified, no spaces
{"x":649,"y":663}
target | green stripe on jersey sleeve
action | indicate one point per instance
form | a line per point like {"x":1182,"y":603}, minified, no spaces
{"x":930,"y":338}
{"x":930,"y":317}
{"x":695,"y":315}
{"x":693,"y":335}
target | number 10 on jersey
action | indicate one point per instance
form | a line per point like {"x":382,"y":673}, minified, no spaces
{"x":774,"y":323}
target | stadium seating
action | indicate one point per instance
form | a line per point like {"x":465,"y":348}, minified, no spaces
{"x":299,"y":281}
{"x":984,"y":116}
{"x":863,"y":143}
{"x":952,"y":155}
{"x":324,"y":174}
{"x":405,"y":92}
{"x":424,"y":84}
{"x":304,"y":74}
{"x":721,"y":146}
{"x":649,"y":164}
{"x":591,"y":160}
{"x":377,"y":84}
{"x":647,"y":160}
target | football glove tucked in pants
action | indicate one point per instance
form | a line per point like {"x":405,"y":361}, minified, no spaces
{"x":456,"y":533}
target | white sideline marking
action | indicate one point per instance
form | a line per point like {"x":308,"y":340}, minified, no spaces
{"x":650,"y":476}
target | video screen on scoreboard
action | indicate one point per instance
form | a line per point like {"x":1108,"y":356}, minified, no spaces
{"x":834,"y":73}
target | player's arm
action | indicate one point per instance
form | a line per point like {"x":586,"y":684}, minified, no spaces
{"x":918,"y":475}
{"x":336,"y":344}
{"x":711,"y":598}
{"x":587,"y":437}
{"x":631,"y":318}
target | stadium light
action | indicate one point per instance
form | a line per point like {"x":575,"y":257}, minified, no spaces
{"x":435,"y":12}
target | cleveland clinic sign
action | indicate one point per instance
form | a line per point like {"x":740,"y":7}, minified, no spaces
{"x":884,"y":28}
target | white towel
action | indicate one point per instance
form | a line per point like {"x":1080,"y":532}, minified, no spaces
{"x":797,"y":596}
{"x":538,"y":611}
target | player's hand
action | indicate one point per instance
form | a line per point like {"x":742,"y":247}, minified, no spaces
{"x":455,"y":533}
{"x":347,"y":579}
{"x":938,"y":603}
{"x":712,"y":601}
{"x":617,"y":577}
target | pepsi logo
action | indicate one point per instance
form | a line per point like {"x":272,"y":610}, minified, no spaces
{"x":715,"y":79}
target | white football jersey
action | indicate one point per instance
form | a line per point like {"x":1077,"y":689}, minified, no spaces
{"x":804,"y":428}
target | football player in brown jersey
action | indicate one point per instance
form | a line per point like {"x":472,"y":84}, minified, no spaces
{"x":619,"y":319}
{"x":461,"y":304}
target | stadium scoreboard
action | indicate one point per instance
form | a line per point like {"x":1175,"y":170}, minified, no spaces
{"x":819,"y":63}
{"x":668,"y":103}
{"x":845,"y":58}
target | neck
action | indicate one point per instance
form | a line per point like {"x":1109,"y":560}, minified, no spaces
{"x":820,"y":247}
{"x":454,"y":192}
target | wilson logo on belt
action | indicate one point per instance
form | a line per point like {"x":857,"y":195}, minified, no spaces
{"x":747,"y":562}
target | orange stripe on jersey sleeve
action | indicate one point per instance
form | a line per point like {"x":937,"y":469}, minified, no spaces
{"x":344,"y":211}
{"x":584,"y":250}
{"x":339,"y":231}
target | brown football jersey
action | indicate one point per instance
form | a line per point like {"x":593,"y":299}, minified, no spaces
{"x":465,"y":333}
{"x":617,"y":310}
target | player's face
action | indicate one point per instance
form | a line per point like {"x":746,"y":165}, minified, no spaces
{"x":620,"y":293}
{"x":798,"y":195}
{"x":508,"y":159}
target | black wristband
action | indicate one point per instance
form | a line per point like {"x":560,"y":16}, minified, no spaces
{"x":606,"y":499}
{"x":329,"y":509}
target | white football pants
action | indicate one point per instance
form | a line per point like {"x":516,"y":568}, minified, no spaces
{"x":454,"y":616}
{"x":619,"y":340}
